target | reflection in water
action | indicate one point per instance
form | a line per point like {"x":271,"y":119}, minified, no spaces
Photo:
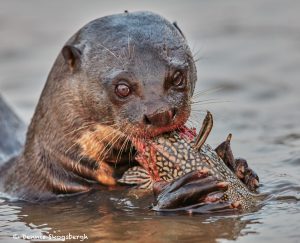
{"x":113,"y":216}
{"x":117,"y":216}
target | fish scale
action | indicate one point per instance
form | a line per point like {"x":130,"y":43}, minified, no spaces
{"x":170,"y":166}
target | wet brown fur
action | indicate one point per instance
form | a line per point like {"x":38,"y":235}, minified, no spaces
{"x":79,"y":134}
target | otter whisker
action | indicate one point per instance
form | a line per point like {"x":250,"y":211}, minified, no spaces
{"x":191,"y":122}
{"x":83,"y":155}
{"x":206,"y":92}
{"x":211,"y":102}
{"x":130,"y":49}
{"x":198,"y":111}
{"x":114,"y":141}
{"x":83,"y":126}
{"x":193,"y":101}
{"x":99,"y":141}
{"x":75,"y":143}
{"x":86,"y":126}
{"x":110,"y":143}
{"x":128,"y":46}
{"x":112,"y":53}
{"x":131,"y":146}
{"x":196,"y":53}
{"x":121,"y":150}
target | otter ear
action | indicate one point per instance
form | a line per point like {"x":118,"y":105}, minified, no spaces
{"x":72,"y":56}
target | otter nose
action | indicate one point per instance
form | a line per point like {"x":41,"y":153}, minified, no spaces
{"x":160,"y":119}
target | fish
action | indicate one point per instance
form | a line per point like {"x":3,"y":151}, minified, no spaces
{"x":174,"y":154}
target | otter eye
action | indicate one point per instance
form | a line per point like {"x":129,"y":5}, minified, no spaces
{"x":122,"y":90}
{"x":178,"y":79}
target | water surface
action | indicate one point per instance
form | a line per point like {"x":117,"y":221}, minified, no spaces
{"x":248,"y":69}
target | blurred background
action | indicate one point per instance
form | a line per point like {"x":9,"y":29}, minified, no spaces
{"x":248,"y":71}
{"x":255,"y":42}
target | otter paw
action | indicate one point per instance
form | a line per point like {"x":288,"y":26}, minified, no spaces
{"x":246,"y":174}
{"x":238,"y":166}
{"x":251,"y":179}
{"x":188,"y":190}
{"x":213,"y":207}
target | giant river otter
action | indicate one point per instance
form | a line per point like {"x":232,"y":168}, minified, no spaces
{"x":119,"y":76}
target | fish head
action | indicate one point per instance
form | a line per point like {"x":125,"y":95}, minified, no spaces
{"x":165,"y":156}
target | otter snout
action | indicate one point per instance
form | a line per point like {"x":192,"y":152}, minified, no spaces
{"x":160,"y":119}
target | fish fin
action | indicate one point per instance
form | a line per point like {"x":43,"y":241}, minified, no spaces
{"x":138,"y":176}
{"x":204,"y":131}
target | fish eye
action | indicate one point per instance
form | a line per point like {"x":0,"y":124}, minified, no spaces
{"x":178,"y":79}
{"x":122,"y":90}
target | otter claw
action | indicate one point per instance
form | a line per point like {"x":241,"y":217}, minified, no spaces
{"x":251,"y":179}
{"x":223,"y":184}
{"x":246,"y":175}
{"x":188,"y":190}
{"x":160,"y":186}
{"x":236,"y":204}
{"x":213,"y":207}
{"x":238,"y":166}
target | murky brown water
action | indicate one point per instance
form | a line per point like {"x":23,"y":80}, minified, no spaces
{"x":250,"y":50}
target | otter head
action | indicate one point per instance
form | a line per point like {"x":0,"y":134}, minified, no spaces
{"x":119,"y":77}
{"x":133,"y":71}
